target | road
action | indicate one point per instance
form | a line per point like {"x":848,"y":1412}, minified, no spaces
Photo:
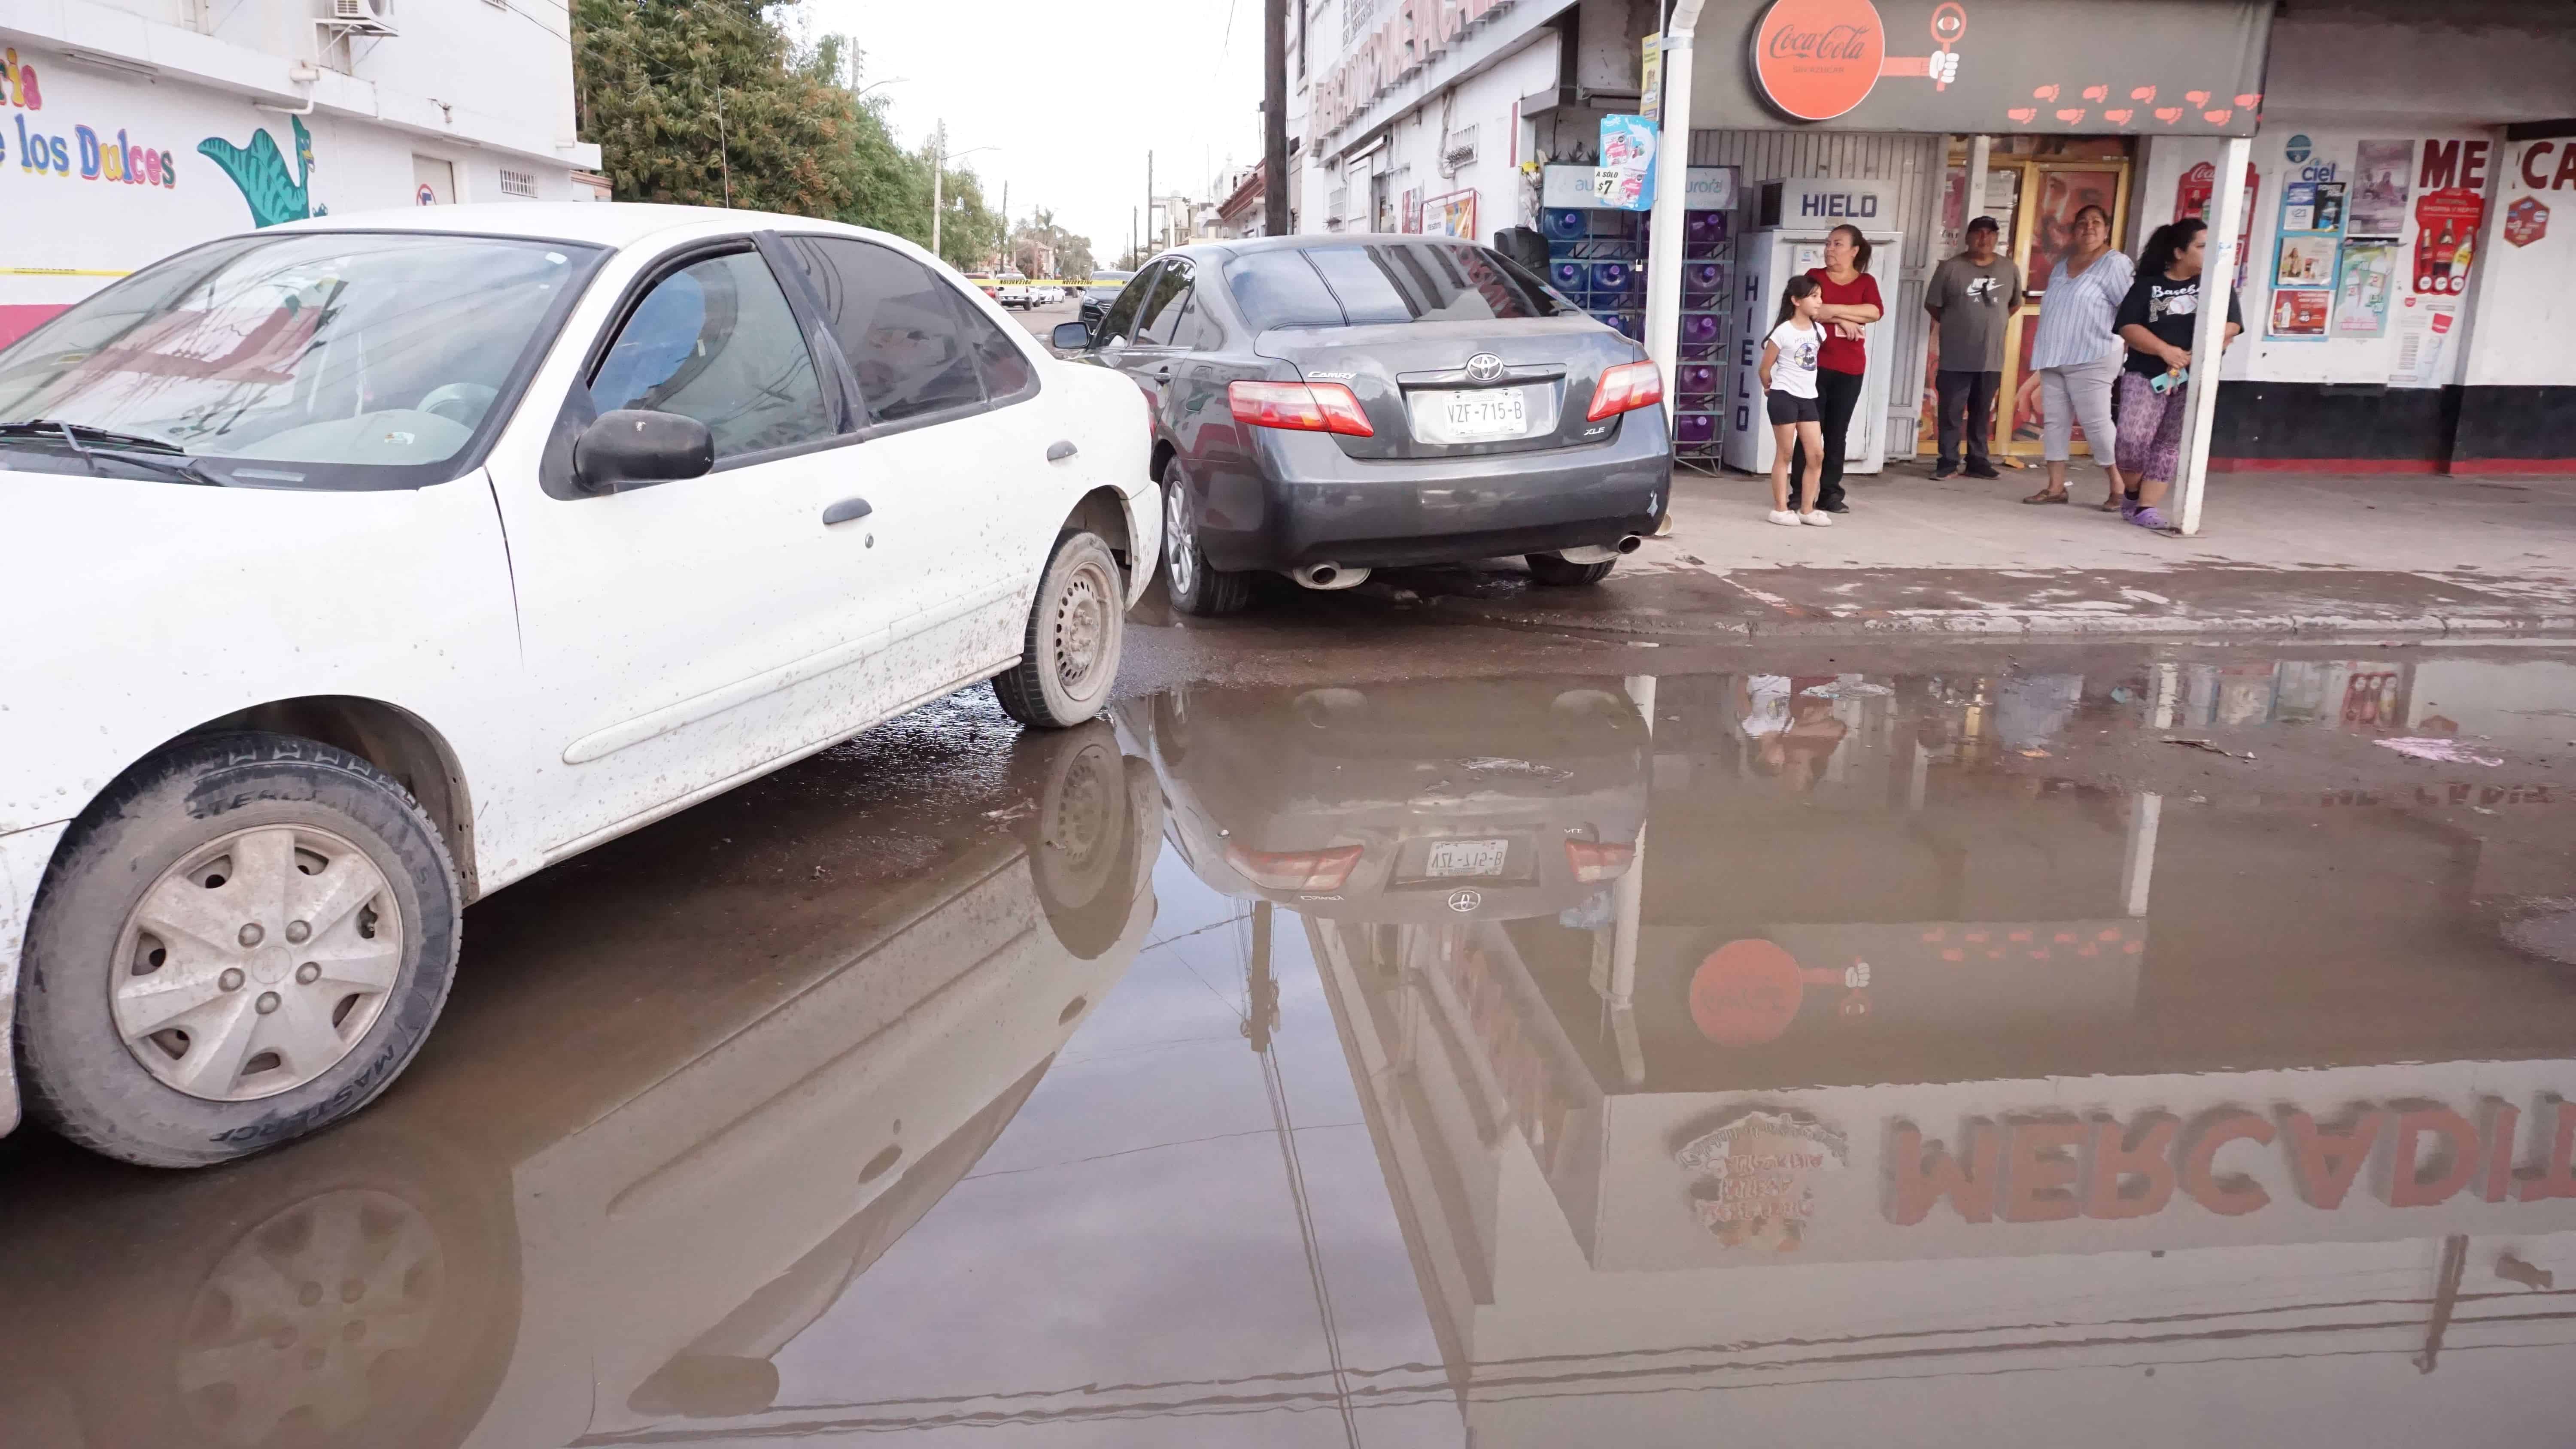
{"x":1400,"y":1029}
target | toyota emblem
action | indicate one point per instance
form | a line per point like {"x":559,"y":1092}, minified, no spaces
{"x":1464,"y":901}
{"x":1484,"y":367}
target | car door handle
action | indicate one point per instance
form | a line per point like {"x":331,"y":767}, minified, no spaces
{"x":845,"y":510}
{"x":1061,"y":449}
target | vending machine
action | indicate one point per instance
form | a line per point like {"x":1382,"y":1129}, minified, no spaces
{"x":1789,"y":222}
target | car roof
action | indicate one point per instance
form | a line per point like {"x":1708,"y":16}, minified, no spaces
{"x":617,"y":224}
{"x":1244,"y":246}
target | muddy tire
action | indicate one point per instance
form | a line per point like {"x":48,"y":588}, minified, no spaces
{"x":1194,"y":587}
{"x":1077,"y":625}
{"x":177,"y":1008}
{"x":1548,"y":569}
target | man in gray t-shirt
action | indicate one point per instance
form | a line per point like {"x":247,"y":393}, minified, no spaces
{"x":1972,"y":298}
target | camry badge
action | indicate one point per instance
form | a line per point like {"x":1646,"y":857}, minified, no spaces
{"x":1484,"y":367}
{"x":1464,"y":901}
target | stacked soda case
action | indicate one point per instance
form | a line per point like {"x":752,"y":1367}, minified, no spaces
{"x":1598,"y":260}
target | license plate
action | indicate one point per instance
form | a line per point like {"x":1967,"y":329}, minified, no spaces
{"x":1468,"y":857}
{"x":1472,"y":415}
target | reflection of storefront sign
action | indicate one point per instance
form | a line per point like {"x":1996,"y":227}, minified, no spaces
{"x":2051,"y":1167}
{"x":1752,"y":1176}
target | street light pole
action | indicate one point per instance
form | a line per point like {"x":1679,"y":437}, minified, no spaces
{"x":1274,"y":117}
{"x":938,"y":174}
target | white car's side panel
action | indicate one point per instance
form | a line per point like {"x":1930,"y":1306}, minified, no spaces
{"x":142,"y":609}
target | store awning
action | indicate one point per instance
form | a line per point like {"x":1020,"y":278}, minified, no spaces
{"x":2130,"y":67}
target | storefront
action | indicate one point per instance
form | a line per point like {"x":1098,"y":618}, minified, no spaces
{"x":120,"y":144}
{"x":2401,"y":279}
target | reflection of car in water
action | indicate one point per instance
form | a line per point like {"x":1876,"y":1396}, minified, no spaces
{"x":515,"y":1252}
{"x":1403,"y":803}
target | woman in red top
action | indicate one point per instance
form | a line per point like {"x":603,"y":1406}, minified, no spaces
{"x":1851,"y":303}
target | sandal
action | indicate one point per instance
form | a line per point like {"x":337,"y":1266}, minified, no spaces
{"x":2048,"y":496}
{"x":2110,"y":505}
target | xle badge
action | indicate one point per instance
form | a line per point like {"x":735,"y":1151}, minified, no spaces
{"x":1464,"y":901}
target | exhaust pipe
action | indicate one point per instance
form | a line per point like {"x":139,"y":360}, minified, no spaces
{"x":1328,"y":576}
{"x":1629,"y":544}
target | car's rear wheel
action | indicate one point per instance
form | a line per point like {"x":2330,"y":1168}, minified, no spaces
{"x":1195,"y":588}
{"x":1069,"y":658}
{"x":1555,"y":572}
{"x":245,"y":939}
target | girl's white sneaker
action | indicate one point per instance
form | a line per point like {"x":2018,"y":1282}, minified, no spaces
{"x":1784,"y":518}
{"x":1818,"y":519}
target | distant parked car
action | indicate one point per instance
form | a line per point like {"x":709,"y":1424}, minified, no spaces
{"x":1325,"y":406}
{"x":386,"y":560}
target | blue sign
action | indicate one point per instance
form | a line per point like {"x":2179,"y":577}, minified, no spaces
{"x":2297,"y":150}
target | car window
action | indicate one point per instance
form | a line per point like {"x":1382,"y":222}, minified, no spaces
{"x":1007,"y":374}
{"x":309,"y":360}
{"x":1119,"y":323}
{"x":908,"y":336}
{"x":1164,"y":305}
{"x":1199,"y":331}
{"x":1281,"y":289}
{"x":1424,"y":282}
{"x":715,"y":341}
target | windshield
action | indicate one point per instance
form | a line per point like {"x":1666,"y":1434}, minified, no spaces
{"x":320,"y":359}
{"x":1365,"y":283}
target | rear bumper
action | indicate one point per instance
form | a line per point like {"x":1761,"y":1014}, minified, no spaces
{"x":24,"y":854}
{"x":1312,"y":503}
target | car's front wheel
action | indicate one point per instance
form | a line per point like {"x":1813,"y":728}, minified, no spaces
{"x":1195,"y":588}
{"x":1077,"y":626}
{"x":1555,"y":572}
{"x":245,"y":939}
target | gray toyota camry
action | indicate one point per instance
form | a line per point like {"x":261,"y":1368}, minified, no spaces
{"x":1328,"y":405}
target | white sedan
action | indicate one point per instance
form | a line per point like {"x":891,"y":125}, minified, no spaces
{"x":366,"y":568}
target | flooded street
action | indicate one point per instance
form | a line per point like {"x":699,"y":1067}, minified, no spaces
{"x":1605,"y":1045}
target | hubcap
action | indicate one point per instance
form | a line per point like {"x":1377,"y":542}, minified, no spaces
{"x":294,"y":1319}
{"x":1081,"y":628}
{"x":1180,"y":551}
{"x":256,"y":963}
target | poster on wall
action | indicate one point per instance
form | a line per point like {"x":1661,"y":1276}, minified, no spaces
{"x":2365,"y":279}
{"x":2299,"y":316}
{"x":2192,"y":196}
{"x":2052,"y":228}
{"x":2328,"y":215}
{"x":2378,"y":204}
{"x":1625,"y":180}
{"x":2446,"y":228}
{"x":2305,"y":261}
{"x":2423,"y":327}
{"x":1450,"y":215}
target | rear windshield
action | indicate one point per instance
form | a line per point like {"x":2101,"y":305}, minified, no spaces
{"x":1364,"y":283}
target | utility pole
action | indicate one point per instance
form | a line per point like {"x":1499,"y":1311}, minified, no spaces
{"x":1131,"y":235}
{"x":1149,"y":198}
{"x":1274,"y":117}
{"x":938,"y":165}
{"x":1006,"y":227}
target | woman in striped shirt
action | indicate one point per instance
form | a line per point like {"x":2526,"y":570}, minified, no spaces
{"x":2077,"y":352}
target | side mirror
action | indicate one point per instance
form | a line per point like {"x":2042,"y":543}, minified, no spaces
{"x":632,"y":445}
{"x":1071,"y":337}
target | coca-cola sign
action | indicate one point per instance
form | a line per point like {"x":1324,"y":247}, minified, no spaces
{"x":1816,"y":59}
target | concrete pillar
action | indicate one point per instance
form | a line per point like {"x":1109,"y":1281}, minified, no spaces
{"x":2209,"y":335}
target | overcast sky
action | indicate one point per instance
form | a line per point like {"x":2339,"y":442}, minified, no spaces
{"x":1074,"y":92}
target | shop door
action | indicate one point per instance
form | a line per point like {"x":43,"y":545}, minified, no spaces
{"x":2036,"y":201}
{"x":2050,"y":192}
{"x":433,"y":181}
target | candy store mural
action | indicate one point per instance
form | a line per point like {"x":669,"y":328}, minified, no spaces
{"x":260,"y":172}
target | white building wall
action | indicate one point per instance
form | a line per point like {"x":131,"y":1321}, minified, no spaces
{"x":188,"y":91}
{"x":2525,"y":320}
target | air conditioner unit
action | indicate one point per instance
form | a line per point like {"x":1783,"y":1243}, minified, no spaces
{"x":364,"y":17}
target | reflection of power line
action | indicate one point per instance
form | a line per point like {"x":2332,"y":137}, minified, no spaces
{"x":1260,"y":1025}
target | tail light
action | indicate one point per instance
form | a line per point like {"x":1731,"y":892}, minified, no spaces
{"x":1595,"y":861}
{"x":1314,"y":407}
{"x":1625,"y":388}
{"x":1295,"y":870}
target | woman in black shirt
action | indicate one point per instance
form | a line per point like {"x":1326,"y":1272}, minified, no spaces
{"x":2156,"y":321}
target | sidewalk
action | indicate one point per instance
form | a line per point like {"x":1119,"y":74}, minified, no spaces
{"x":2304,"y":554}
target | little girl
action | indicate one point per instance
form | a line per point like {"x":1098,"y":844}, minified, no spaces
{"x":1789,"y":380}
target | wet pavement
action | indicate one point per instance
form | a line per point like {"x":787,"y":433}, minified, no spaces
{"x":1380,"y":1032}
